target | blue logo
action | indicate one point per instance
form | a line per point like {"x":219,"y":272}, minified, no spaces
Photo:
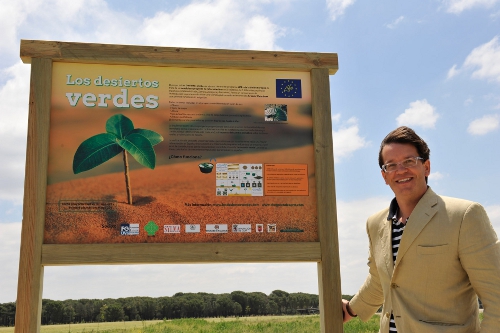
{"x":127,"y":229}
{"x":288,"y":88}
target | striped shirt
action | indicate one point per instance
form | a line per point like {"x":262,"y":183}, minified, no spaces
{"x":397,"y":233}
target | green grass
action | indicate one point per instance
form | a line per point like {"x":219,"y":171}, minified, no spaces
{"x":126,"y":326}
{"x":271,"y":324}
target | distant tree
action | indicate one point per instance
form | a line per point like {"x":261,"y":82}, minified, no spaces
{"x":52,"y":312}
{"x":181,"y":305}
{"x":241,"y":297}
{"x":258,"y":303}
{"x":273,"y":307}
{"x":112,"y":312}
{"x":280,"y":297}
{"x":237,"y":309}
{"x":165,"y":308}
{"x":7,"y":314}
{"x":68,"y":312}
{"x":225,"y":305}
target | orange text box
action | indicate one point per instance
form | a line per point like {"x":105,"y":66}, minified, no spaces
{"x":286,"y":179}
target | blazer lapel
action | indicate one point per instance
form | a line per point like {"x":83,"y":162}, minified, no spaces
{"x":385,"y":233}
{"x":426,"y":208}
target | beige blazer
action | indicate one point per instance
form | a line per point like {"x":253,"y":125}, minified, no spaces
{"x":449,"y":253}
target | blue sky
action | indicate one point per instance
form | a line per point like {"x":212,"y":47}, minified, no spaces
{"x":433,"y":65}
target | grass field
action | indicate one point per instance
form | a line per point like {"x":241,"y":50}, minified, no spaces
{"x":268,"y":324}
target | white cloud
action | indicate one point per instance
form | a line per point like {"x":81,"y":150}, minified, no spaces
{"x":420,"y":113}
{"x":336,"y":117}
{"x":261,"y":33}
{"x":12,"y":15}
{"x":395,"y":23}
{"x":453,"y":71}
{"x":484,"y":125}
{"x":200,"y":24}
{"x":458,"y":6}
{"x":353,"y":240}
{"x":346,"y":139}
{"x":9,"y":260}
{"x":485,"y":61}
{"x":219,"y":23}
{"x":436,"y":176}
{"x":338,"y":7}
{"x":211,"y":24}
{"x":468,"y":101}
{"x":14,"y":95}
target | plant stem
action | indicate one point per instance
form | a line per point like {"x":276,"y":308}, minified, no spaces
{"x":127,"y":178}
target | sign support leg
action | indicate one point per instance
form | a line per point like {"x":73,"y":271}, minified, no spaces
{"x":329,"y":266}
{"x":30,"y":280}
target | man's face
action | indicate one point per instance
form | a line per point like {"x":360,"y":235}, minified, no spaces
{"x":406,"y":183}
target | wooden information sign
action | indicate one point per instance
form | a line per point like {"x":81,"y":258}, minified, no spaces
{"x":141,"y":154}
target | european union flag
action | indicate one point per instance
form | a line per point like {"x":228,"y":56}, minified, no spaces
{"x":288,"y":88}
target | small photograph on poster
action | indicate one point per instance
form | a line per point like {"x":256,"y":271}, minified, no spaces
{"x":276,"y":112}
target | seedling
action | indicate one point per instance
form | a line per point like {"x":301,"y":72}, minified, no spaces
{"x":120,"y":137}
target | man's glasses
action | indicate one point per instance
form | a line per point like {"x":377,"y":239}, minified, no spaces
{"x":408,"y":163}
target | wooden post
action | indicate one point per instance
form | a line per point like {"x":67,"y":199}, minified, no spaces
{"x":30,"y":281}
{"x":329,"y":266}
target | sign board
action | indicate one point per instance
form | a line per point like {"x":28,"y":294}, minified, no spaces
{"x":214,"y":155}
{"x":164,"y":155}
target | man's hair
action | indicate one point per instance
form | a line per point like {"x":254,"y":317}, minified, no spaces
{"x":405,"y":135}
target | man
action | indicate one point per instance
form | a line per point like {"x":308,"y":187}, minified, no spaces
{"x":429,"y":255}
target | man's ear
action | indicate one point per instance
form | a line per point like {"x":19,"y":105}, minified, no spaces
{"x":383,"y":176}
{"x":427,"y":166}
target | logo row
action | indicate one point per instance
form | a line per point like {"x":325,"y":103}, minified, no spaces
{"x":129,"y":229}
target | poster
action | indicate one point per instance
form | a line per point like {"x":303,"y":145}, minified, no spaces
{"x":142,"y":154}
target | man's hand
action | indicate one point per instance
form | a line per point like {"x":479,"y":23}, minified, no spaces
{"x":347,"y":316}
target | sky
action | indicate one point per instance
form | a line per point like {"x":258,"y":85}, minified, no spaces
{"x":433,"y":65}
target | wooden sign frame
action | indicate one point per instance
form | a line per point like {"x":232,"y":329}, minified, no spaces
{"x":35,"y":254}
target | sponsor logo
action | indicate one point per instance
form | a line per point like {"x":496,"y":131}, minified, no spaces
{"x":259,"y":228}
{"x":271,"y":227}
{"x":129,"y":229}
{"x":190,"y":228}
{"x":291,"y":230}
{"x":172,"y":229}
{"x":151,"y":228}
{"x":242,"y":228}
{"x":288,"y":88}
{"x":216,"y":228}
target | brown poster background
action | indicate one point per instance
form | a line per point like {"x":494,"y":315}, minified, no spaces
{"x":236,"y":163}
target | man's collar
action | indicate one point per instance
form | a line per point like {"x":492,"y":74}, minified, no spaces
{"x":393,"y":209}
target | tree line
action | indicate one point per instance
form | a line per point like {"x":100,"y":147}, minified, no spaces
{"x":180,"y":305}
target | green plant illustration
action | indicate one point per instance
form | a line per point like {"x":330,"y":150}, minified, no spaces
{"x":120,"y":137}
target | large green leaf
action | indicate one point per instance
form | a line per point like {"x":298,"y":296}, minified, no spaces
{"x":95,"y":151}
{"x":152,"y":136}
{"x":140,"y":148}
{"x":119,"y":125}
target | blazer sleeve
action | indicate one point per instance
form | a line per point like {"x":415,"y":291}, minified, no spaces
{"x":479,"y":252}
{"x":370,"y":296}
